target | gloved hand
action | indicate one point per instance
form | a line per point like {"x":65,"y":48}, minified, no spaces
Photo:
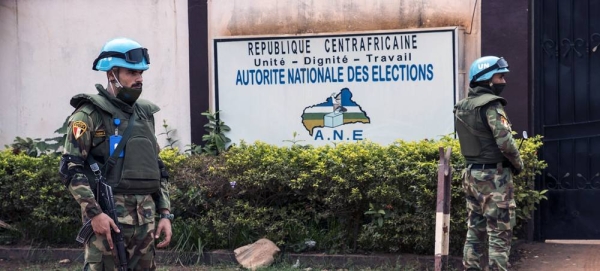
{"x":516,"y":171}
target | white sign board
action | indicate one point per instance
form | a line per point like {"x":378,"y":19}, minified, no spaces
{"x":379,"y":86}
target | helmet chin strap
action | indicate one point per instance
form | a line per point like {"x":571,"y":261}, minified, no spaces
{"x":114,"y":84}
{"x":117,"y":80}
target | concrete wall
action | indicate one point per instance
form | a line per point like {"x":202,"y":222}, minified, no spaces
{"x":283,"y":17}
{"x":47,"y":49}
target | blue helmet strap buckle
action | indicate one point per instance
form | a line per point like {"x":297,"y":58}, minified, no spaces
{"x":500,"y":64}
{"x":133,"y":56}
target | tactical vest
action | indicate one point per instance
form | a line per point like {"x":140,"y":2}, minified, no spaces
{"x":137,"y":171}
{"x":477,"y":144}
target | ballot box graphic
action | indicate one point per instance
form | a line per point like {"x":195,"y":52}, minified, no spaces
{"x":333,"y":119}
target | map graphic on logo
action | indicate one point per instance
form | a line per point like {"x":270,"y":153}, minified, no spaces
{"x":337,"y":110}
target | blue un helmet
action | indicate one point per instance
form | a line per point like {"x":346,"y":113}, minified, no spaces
{"x":485,"y":67}
{"x":122,"y":52}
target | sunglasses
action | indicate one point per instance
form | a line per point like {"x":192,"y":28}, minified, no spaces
{"x":133,"y":56}
{"x":500,"y":64}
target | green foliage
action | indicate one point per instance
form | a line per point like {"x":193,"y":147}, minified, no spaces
{"x":34,"y":201}
{"x":215,"y":140}
{"x":346,"y":198}
{"x":172,"y":158}
{"x":38,"y":146}
{"x":378,"y":214}
{"x":28,"y":146}
{"x":526,"y":197}
{"x":524,"y":193}
{"x":168,"y":133}
{"x":294,"y":141}
{"x":8,"y":234}
{"x":184,"y":242}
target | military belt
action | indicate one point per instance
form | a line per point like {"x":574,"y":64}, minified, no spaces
{"x":490,"y":166}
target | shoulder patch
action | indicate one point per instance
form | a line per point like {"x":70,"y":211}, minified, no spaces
{"x":79,"y":127}
{"x":503,"y":119}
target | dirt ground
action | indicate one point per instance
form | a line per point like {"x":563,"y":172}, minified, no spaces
{"x":559,"y":255}
{"x":24,"y":266}
{"x":553,"y":255}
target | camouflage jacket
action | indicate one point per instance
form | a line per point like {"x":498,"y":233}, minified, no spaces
{"x":484,"y":129}
{"x":87,"y":131}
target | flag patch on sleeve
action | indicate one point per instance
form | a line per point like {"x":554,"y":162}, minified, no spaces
{"x":505,"y":122}
{"x":79,"y":127}
{"x":503,"y":119}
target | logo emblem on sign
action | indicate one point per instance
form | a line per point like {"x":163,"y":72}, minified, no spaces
{"x":337,"y":110}
{"x":79,"y":127}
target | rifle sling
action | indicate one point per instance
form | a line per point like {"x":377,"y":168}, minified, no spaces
{"x":112,"y":160}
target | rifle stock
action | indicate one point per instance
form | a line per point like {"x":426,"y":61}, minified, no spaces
{"x":107,"y":203}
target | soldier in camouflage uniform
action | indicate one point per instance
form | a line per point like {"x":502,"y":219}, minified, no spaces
{"x":492,"y":158}
{"x":138,"y":178}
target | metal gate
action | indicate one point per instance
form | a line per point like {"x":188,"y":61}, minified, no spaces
{"x":567,"y":114}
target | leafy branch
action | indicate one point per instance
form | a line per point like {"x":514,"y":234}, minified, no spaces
{"x":215,"y":140}
{"x":169,"y":134}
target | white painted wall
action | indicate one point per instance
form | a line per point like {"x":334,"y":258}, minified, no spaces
{"x":47,"y":49}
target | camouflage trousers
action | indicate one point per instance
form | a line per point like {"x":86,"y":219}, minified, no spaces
{"x":491,"y":214}
{"x":139,"y":246}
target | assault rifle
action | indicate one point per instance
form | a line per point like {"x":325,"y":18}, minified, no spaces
{"x":524,"y":138}
{"x":514,"y":170}
{"x":107,"y":203}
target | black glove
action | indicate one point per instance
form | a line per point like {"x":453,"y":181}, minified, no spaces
{"x":516,"y":171}
{"x":163,"y":170}
{"x":66,"y":172}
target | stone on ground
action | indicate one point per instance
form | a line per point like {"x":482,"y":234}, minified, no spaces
{"x":258,"y":254}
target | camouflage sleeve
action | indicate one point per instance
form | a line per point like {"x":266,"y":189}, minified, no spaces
{"x":78,"y":143}
{"x":163,"y":196}
{"x":163,"y":201}
{"x":501,"y":129}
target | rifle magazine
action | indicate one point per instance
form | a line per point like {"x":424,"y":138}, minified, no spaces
{"x":85,"y":233}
